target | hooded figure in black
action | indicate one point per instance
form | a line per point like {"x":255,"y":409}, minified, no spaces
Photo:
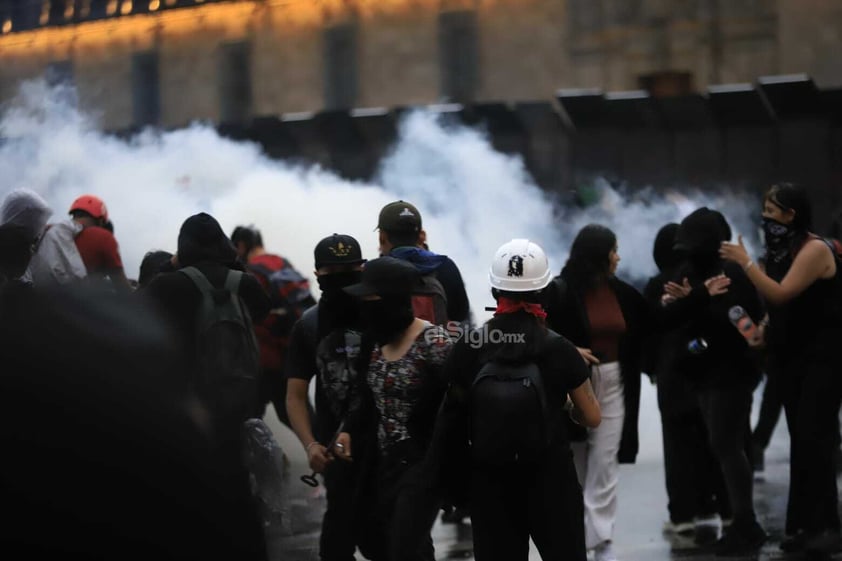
{"x":695,"y":488}
{"x":725,"y":372}
{"x":105,"y":453}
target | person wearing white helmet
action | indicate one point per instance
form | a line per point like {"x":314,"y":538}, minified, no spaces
{"x":607,"y":319}
{"x":503,"y":420}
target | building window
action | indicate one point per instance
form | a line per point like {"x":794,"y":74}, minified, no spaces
{"x":667,"y":83}
{"x":235,"y":82}
{"x":621,"y":12}
{"x":585,"y":15}
{"x":146,"y":101}
{"x":59,"y":73}
{"x":458,"y":55}
{"x":340,"y":43}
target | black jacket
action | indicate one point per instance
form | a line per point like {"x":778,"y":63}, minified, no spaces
{"x":728,"y":359}
{"x":566,"y":314}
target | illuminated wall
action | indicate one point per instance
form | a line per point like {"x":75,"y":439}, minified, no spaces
{"x":524,"y":49}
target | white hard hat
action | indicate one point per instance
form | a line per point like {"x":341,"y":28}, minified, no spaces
{"x":519,"y":266}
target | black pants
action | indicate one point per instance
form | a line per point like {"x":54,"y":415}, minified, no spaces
{"x":770,"y":408}
{"x":695,"y":485}
{"x":340,"y":530}
{"x":726,"y":411}
{"x":511,"y":503}
{"x":810,"y":387}
{"x":405,"y":510}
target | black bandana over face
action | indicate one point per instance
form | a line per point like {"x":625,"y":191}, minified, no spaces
{"x":779,"y":240}
{"x":387,"y":318}
{"x":337,"y":308}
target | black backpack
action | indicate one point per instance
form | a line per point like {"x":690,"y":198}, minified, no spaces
{"x":227,"y":354}
{"x":509,"y":418}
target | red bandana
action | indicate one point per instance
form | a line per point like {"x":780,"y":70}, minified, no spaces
{"x":508,"y":306}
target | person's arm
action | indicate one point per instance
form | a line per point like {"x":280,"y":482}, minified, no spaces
{"x":300,"y":369}
{"x":119,"y":279}
{"x":585,"y":410}
{"x":813,"y":262}
{"x":299,"y":418}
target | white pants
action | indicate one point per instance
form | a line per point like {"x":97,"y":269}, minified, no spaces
{"x":596,"y":458}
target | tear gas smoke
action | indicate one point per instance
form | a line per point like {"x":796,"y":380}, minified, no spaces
{"x":471,"y":197}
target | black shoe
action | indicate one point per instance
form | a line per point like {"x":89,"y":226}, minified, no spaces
{"x":739,"y":541}
{"x":823,"y":542}
{"x":794,"y":543}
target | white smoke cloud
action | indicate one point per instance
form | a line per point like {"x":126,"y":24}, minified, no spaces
{"x":472,"y":198}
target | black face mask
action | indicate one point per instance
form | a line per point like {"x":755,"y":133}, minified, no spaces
{"x":779,"y":240}
{"x":337,"y":308}
{"x":386,"y":319}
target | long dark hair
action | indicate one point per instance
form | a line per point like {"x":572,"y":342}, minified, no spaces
{"x":589,"y":261}
{"x":792,"y":196}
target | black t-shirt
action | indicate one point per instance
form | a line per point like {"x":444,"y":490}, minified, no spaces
{"x":332,"y":361}
{"x":560,"y":364}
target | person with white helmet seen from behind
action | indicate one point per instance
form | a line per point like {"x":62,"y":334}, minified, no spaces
{"x":607,"y":319}
{"x":502,"y":423}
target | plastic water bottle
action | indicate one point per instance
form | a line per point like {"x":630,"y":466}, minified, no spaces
{"x":697,"y":346}
{"x":745,"y":325}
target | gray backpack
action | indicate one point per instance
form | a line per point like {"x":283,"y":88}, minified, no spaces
{"x":227,"y":353}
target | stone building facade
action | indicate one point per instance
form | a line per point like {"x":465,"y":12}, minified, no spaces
{"x":169,"y":62}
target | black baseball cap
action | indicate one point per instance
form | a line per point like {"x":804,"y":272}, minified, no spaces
{"x":399,"y":216}
{"x":384,"y":276}
{"x":338,"y":249}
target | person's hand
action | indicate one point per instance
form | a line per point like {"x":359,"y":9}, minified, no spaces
{"x":587,"y":356}
{"x":717,"y":285}
{"x":674,"y":291}
{"x":342,"y":448}
{"x":318,"y":457}
{"x":735,"y":252}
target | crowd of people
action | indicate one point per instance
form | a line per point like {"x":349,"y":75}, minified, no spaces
{"x":125,"y":397}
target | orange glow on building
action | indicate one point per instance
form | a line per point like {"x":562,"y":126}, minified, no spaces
{"x":7,"y":26}
{"x":126,"y":8}
{"x":69,"y":9}
{"x":154,"y":5}
{"x":111,"y":9}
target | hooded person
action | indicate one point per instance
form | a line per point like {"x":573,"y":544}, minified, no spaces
{"x":23,"y":219}
{"x":117,"y":458}
{"x":202,"y":245}
{"x":724,"y":370}
{"x":695,"y":490}
{"x":206,"y":257}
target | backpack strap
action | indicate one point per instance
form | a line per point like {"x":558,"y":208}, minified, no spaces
{"x":232,"y":281}
{"x":200,"y":280}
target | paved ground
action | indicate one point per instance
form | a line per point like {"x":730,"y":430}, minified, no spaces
{"x":642,"y":506}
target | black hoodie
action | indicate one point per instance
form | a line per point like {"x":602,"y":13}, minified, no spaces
{"x":728,"y":359}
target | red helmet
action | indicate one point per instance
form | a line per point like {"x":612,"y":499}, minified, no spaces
{"x":92,"y":205}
